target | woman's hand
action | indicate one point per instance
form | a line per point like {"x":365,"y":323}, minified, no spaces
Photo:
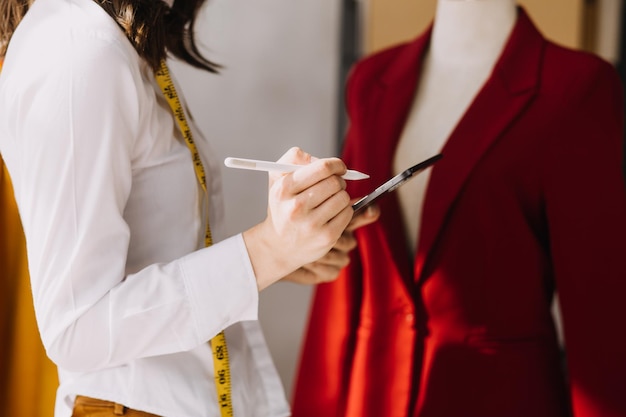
{"x":327,"y":268}
{"x":308,"y":210}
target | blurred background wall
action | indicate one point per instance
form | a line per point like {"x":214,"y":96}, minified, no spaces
{"x":284,"y":66}
{"x":279,"y":88}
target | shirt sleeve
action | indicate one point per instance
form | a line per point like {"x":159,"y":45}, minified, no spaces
{"x":76,"y":123}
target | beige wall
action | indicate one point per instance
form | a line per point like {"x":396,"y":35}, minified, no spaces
{"x":391,"y":21}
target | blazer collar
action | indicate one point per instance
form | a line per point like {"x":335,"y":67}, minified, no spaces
{"x":507,"y":92}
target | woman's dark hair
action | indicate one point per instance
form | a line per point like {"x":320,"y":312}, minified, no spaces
{"x":11,"y":12}
{"x":152,"y":27}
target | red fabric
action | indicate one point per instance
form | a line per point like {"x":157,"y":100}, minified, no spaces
{"x":528,"y":198}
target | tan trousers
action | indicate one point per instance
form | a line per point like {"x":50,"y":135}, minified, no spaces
{"x":92,"y":407}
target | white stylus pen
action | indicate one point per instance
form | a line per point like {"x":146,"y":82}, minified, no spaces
{"x":275,"y":166}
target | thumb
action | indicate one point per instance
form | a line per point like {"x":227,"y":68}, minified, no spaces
{"x":296,"y":156}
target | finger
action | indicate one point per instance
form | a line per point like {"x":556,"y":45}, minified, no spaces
{"x":312,"y":184}
{"x":304,"y":206}
{"x":335,"y":212}
{"x":340,"y":221}
{"x":335,"y":258}
{"x":311,"y":174}
{"x":312,"y":274}
{"x":296,"y":156}
{"x":365,"y":217}
{"x":346,"y":242}
{"x":317,"y":194}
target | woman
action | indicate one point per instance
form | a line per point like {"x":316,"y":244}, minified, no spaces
{"x":117,"y":204}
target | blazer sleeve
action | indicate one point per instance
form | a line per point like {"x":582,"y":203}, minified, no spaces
{"x":586,"y":213}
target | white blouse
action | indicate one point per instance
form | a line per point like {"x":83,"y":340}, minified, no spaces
{"x":126,"y":298}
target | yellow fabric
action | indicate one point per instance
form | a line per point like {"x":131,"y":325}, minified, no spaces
{"x":28,"y":379}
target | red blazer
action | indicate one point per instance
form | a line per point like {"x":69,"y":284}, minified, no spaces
{"x":528,"y":200}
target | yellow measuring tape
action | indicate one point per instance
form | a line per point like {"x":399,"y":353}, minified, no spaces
{"x":221,"y":362}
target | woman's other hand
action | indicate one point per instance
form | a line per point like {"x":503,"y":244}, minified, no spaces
{"x":327,"y":268}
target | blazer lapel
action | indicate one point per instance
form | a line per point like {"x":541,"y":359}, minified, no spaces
{"x":390,"y":102}
{"x":398,"y":87}
{"x":504,"y":96}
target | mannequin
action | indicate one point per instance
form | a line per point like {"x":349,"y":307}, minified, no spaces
{"x":467,"y":39}
{"x":456,"y":319}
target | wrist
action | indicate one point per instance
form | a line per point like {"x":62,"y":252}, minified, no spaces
{"x":268,"y":264}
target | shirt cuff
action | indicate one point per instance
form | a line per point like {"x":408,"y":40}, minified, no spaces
{"x":221,"y":286}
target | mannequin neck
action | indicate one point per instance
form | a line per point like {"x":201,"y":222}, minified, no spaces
{"x":467,"y":32}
